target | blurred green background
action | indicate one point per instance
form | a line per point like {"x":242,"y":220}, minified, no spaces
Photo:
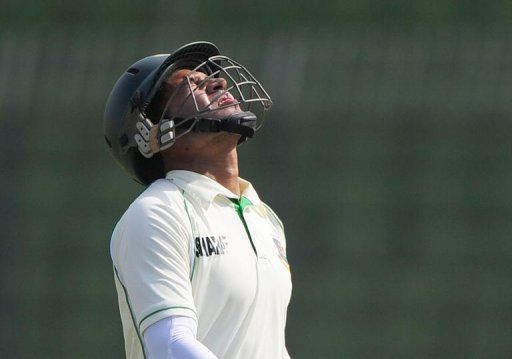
{"x":387,"y":155}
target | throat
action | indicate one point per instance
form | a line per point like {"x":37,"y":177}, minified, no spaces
{"x":228,"y":179}
{"x":212,"y":155}
{"x":222,"y":169}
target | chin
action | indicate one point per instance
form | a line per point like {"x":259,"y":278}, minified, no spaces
{"x":226,"y":112}
{"x":229,"y":135}
{"x":218,"y":137}
{"x":228,"y":138}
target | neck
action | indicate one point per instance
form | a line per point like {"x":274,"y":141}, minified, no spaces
{"x":221,"y":168}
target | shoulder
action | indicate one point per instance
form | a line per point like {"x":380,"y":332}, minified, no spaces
{"x":157,"y":210}
{"x":160,"y":193}
{"x":160,"y":197}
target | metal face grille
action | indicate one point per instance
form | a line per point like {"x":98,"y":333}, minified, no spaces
{"x":246,"y":90}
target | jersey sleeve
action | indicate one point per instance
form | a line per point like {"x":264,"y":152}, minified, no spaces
{"x":150,"y":251}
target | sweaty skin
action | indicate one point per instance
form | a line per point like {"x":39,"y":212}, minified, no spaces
{"x":210,"y":94}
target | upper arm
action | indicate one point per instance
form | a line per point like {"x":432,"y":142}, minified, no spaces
{"x":150,"y":252}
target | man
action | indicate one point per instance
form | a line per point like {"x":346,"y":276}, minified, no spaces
{"x":199,"y":260}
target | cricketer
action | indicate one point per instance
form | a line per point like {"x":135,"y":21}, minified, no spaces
{"x":199,"y":260}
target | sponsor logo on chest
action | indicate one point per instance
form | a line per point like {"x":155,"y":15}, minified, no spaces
{"x":209,"y":246}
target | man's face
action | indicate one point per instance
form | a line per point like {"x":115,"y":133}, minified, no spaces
{"x":209,"y":94}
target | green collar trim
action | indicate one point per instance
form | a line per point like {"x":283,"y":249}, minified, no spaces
{"x":241,"y":203}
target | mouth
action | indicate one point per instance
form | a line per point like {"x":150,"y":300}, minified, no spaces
{"x":226,"y":100}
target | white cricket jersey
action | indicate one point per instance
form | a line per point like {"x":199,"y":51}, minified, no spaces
{"x":188,"y":246}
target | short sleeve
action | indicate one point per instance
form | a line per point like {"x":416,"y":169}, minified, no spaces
{"x":150,"y":251}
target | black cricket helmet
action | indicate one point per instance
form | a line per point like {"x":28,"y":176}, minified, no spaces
{"x":132,"y":96}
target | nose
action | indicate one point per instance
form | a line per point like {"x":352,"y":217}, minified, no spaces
{"x":215,"y":84}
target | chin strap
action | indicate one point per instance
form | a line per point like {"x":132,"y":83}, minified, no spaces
{"x":242,"y":123}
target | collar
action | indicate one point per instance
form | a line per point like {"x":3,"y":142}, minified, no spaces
{"x":205,"y":189}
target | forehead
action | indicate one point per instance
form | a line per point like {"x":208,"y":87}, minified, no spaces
{"x":177,"y":76}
